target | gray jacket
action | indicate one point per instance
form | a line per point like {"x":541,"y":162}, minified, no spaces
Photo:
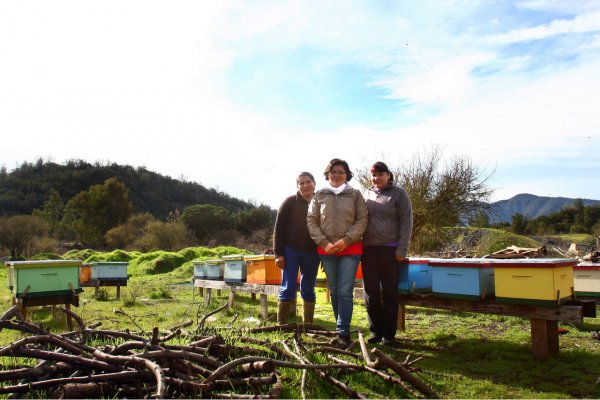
{"x":390,"y":218}
{"x":333,"y":217}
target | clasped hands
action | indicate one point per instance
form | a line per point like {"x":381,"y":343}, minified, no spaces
{"x":336,"y":247}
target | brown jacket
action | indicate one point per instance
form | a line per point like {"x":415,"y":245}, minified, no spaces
{"x":333,"y":217}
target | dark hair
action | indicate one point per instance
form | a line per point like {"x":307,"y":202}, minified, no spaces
{"x":333,"y":163}
{"x":307,"y":174}
{"x":380,"y":166}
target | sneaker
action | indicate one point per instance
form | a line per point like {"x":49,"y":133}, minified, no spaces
{"x":343,"y":341}
{"x":373,"y":338}
{"x":386,"y":341}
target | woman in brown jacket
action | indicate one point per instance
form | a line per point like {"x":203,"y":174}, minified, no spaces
{"x":337,"y":219}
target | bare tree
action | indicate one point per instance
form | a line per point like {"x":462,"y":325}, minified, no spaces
{"x":19,"y":232}
{"x":443,"y":194}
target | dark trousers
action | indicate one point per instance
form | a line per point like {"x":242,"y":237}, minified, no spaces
{"x":380,"y":280}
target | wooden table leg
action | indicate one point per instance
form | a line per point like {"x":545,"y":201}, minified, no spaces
{"x":230,"y":299}
{"x":401,"y":324}
{"x":264,"y":308}
{"x":97,"y":288}
{"x":201,"y":291}
{"x":253,"y":296}
{"x":69,"y":319}
{"x":544,"y":338}
{"x":208,"y":295}
{"x":218,"y":292}
{"x":118,"y":292}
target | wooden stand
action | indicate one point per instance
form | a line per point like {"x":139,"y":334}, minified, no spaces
{"x":66,"y":299}
{"x":544,"y":320}
{"x":96,"y":284}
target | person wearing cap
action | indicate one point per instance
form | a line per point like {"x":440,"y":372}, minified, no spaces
{"x":294,"y":249}
{"x":386,"y":243}
{"x":337,"y":219}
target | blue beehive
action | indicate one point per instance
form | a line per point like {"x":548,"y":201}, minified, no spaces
{"x":464,"y":278}
{"x":415,"y":276}
{"x":235,"y":268}
{"x":199,"y":269}
{"x":214,"y":270}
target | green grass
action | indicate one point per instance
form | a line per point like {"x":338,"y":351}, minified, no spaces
{"x":465,"y":355}
{"x":579,"y":238}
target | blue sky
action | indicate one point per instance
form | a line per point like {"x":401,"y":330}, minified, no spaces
{"x":242,"y":95}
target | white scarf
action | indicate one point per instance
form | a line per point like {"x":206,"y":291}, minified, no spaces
{"x":336,"y":190}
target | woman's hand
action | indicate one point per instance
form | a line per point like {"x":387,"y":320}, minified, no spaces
{"x":330,"y":248}
{"x":340,"y":245}
{"x":402,"y":259}
{"x":280,"y":262}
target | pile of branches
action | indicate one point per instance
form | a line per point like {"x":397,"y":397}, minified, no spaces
{"x":94,"y":363}
{"x":519,"y":252}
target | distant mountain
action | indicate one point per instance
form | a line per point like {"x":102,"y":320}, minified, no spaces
{"x":26,"y":187}
{"x":531,"y":206}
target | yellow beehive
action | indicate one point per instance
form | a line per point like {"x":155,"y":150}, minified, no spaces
{"x":261,"y":269}
{"x":534,"y":281}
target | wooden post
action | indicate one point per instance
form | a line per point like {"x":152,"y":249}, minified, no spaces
{"x":253,"y":296}
{"x":118,"y":291}
{"x":201,"y":291}
{"x":69,"y":319}
{"x":544,"y":338}
{"x":96,"y":289}
{"x":208,"y":295}
{"x":327,"y":296}
{"x":401,"y":324}
{"x":218,"y":292}
{"x":230,"y":299}
{"x":264,"y":307}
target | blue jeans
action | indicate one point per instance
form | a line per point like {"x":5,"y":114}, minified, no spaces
{"x":308,"y":262}
{"x":341,"y":273}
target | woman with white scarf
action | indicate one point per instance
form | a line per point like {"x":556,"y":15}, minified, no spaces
{"x":337,"y":219}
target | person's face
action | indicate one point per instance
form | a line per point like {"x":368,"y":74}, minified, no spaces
{"x":337,"y":176}
{"x":306,"y":186}
{"x":380,"y":179}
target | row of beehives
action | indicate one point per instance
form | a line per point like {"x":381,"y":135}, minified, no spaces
{"x":520,"y":281}
{"x":58,"y":277}
{"x":259,"y":269}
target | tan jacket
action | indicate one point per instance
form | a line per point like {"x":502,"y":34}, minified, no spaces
{"x":333,"y":217}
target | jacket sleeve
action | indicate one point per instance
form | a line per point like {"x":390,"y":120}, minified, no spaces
{"x":279,"y":231}
{"x":359,"y":226}
{"x":313,"y":218}
{"x":405,"y":222}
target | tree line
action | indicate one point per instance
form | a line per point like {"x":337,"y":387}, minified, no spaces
{"x":105,"y":215}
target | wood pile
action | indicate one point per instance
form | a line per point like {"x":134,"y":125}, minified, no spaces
{"x":519,"y":252}
{"x":177,"y":363}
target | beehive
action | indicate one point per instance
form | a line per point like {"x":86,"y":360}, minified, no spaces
{"x":109,"y":270}
{"x":586,"y":277}
{"x":415,"y":276}
{"x":261,"y":269}
{"x":463,"y":278}
{"x":85,"y":273}
{"x":214,"y":270}
{"x":199,"y":269}
{"x":536,"y":281}
{"x":234,"y":268}
{"x":44,"y":278}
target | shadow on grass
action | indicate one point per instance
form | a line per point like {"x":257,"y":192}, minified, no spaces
{"x":571,"y":374}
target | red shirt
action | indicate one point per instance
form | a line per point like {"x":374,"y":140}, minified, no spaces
{"x":353,"y":249}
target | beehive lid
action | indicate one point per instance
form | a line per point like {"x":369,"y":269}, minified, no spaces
{"x":532,"y":262}
{"x":214,"y":262}
{"x":587,"y":265}
{"x":259,"y":257}
{"x":419,"y":260}
{"x":233,"y":257}
{"x":459,"y":262}
{"x":96,"y":263}
{"x":44,"y":263}
{"x":198,"y":262}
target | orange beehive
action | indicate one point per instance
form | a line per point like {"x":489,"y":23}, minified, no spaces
{"x":261,"y":269}
{"x":85,"y":273}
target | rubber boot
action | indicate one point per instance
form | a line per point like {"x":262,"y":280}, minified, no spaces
{"x":309,"y":312}
{"x":283,"y":311}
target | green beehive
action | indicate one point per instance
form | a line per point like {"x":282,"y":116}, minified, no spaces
{"x":43,"y":278}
